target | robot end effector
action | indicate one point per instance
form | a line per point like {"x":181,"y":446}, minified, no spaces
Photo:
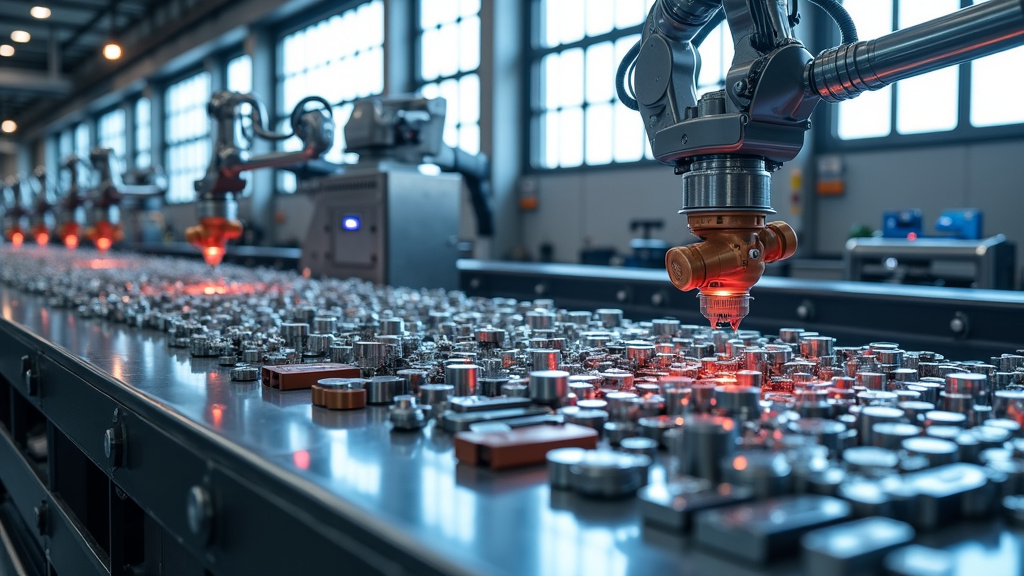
{"x":726,"y":144}
{"x":215,"y":206}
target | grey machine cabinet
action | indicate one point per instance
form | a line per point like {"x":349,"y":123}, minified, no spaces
{"x":389,"y":225}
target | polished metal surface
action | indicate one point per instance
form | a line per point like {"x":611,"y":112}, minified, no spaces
{"x":845,"y":71}
{"x":406,"y":488}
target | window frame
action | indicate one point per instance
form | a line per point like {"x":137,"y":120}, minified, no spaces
{"x":123,"y":157}
{"x":533,"y":54}
{"x":825,"y":125}
{"x":418,"y":81}
{"x":295,"y":24}
{"x":166,"y":145}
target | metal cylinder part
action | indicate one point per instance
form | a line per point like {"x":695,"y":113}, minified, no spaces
{"x":591,"y":418}
{"x":944,"y":418}
{"x":740,"y":402}
{"x":436,"y":394}
{"x":936,"y":450}
{"x":871,"y":415}
{"x":872,"y":380}
{"x":890,"y":435}
{"x":545,"y":359}
{"x":609,"y":474}
{"x":609,"y":317}
{"x":550,"y":387}
{"x":654,"y":427}
{"x":463,"y":377}
{"x":294,"y":334}
{"x":405,"y":414}
{"x":516,"y":388}
{"x":974,"y":385}
{"x":325,"y":324}
{"x":383,"y":389}
{"x":704,"y":442}
{"x":560,"y":460}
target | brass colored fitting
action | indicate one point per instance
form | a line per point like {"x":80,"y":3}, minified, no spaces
{"x":104,"y":234}
{"x":211,"y":236}
{"x":731,"y":259}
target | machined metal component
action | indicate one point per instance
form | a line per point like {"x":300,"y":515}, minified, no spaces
{"x":405,"y":414}
{"x":383,"y":389}
{"x":245,"y":373}
{"x":606,"y":474}
{"x":766,"y":530}
{"x":339,"y":393}
{"x":463,"y":377}
{"x":856,"y":547}
{"x":549,"y":387}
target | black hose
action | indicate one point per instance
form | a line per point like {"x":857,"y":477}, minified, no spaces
{"x":620,"y":77}
{"x":842,"y":19}
{"x":708,"y":28}
{"x":629,"y":60}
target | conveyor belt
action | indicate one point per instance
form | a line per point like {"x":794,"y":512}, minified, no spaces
{"x":301,"y":489}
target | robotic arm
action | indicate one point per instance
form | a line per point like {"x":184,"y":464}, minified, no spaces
{"x":67,"y":208}
{"x":410,"y":129}
{"x":726,"y":144}
{"x":105,"y":199}
{"x":216,"y":206}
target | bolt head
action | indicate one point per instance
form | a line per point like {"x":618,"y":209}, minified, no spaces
{"x":754,"y":253}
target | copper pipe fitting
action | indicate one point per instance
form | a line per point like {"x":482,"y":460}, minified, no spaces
{"x":211,"y":236}
{"x":736,"y":246}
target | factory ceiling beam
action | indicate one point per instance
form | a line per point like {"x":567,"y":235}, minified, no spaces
{"x":36,"y":82}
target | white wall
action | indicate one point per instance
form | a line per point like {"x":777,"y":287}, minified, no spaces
{"x":595,"y":207}
{"x":987,"y":176}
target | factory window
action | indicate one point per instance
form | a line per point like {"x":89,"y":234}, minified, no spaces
{"x":239,"y":79}
{"x":449,"y":59}
{"x":340,"y":58}
{"x":143,"y":133}
{"x":932,"y":103}
{"x":187,"y":135}
{"x":239,"y":74}
{"x":65,"y":149}
{"x":82,"y":145}
{"x":576,"y":118}
{"x":110,"y":132}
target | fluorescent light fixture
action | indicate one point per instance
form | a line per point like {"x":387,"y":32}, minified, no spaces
{"x":20,"y":36}
{"x":40,"y":12}
{"x":9,"y":126}
{"x":6,"y":50}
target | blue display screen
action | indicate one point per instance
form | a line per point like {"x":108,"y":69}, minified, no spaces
{"x":351,"y":223}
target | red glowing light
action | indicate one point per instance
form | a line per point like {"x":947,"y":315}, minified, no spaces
{"x":213,"y":255}
{"x":301,"y":459}
{"x":217,"y":411}
{"x":912,"y":236}
{"x":739,"y":463}
{"x":71,"y":241}
{"x":42,"y":238}
{"x":103,"y":244}
{"x":17,"y":238}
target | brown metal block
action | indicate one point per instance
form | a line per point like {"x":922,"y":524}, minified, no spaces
{"x":339,"y":393}
{"x":520,"y":446}
{"x":302,"y":376}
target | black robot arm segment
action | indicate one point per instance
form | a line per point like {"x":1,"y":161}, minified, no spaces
{"x":476,"y":172}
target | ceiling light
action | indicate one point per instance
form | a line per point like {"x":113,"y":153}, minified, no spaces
{"x":20,"y":36}
{"x":6,"y":50}
{"x":9,"y":126}
{"x":112,"y":50}
{"x":40,"y":12}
